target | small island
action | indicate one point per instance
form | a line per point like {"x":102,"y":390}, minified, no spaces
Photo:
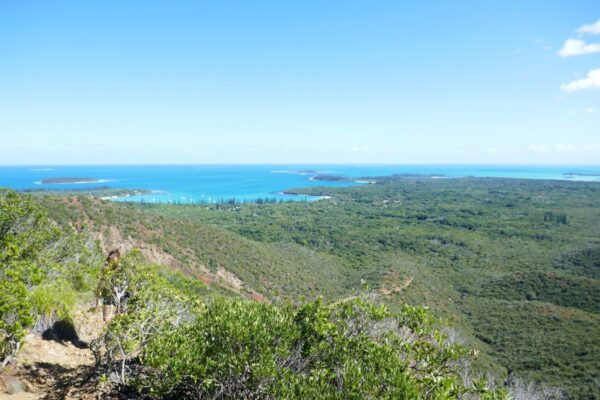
{"x":581,"y":174}
{"x":331,"y":178}
{"x":398,"y":177}
{"x":418,"y":176}
{"x":65,"y":180}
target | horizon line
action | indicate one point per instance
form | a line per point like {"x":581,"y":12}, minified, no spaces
{"x":300,"y":164}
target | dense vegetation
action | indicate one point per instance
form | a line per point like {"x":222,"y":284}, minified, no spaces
{"x":352,"y":349}
{"x":42,"y":268}
{"x":512,"y":265}
{"x":171,"y":337}
{"x":174,"y":341}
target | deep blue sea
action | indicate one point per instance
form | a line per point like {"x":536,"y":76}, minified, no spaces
{"x":212,"y":183}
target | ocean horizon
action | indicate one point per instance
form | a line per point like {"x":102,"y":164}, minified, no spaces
{"x":209,"y":183}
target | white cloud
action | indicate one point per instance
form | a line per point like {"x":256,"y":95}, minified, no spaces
{"x":594,"y":28}
{"x":361,"y":149}
{"x":591,"y":147}
{"x":576,"y":47}
{"x":565,"y":147}
{"x":589,"y":110}
{"x":542,"y":148}
{"x":558,"y":148}
{"x":591,"y":81}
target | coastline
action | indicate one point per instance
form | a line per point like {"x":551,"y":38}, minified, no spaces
{"x":62,"y":181}
{"x":247,"y":183}
{"x":310,"y":197}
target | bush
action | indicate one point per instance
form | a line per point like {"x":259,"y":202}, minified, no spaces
{"x":353,"y":349}
{"x":25,"y":233}
{"x":149,"y":301}
{"x":53,"y":297}
{"x":40,"y":267}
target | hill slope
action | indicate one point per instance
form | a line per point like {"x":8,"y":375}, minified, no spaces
{"x":512,"y":262}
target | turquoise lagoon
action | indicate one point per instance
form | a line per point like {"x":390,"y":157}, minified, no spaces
{"x":213,"y":183}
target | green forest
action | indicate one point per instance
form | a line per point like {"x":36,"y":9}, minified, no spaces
{"x":406,"y":288}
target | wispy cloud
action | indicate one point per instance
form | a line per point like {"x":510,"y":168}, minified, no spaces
{"x":591,"y":81}
{"x":593,"y":29}
{"x":541,"y":42}
{"x":587,"y":110}
{"x":591,"y":147}
{"x":563,"y":148}
{"x":576,"y":47}
{"x":541,"y":148}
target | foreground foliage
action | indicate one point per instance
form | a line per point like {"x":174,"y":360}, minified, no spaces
{"x":157,"y":300}
{"x":165,"y":347}
{"x":169,"y":344}
{"x":41,"y":269}
{"x":354,"y":349}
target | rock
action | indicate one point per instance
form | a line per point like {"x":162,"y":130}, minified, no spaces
{"x":11,"y":385}
{"x":44,"y":323}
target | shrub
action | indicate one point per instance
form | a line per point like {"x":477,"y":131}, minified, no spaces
{"x":149,"y":301}
{"x":40,"y":267}
{"x":352,"y":349}
{"x":25,"y":233}
{"x":53,"y":297}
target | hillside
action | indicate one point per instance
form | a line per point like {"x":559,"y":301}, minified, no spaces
{"x":512,"y":265}
{"x":512,"y":262}
{"x":226,"y":260}
{"x":73,"y":326}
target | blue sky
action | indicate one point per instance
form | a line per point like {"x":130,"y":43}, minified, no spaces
{"x":299,"y":82}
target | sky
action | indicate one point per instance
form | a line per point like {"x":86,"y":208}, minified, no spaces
{"x":151,"y":82}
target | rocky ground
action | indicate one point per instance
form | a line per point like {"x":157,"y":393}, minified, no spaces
{"x":51,"y":367}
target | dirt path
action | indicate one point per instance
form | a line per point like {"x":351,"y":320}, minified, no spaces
{"x":51,"y":369}
{"x":398,"y":287}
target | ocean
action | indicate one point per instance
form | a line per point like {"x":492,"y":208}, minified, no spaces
{"x":214,"y":183}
